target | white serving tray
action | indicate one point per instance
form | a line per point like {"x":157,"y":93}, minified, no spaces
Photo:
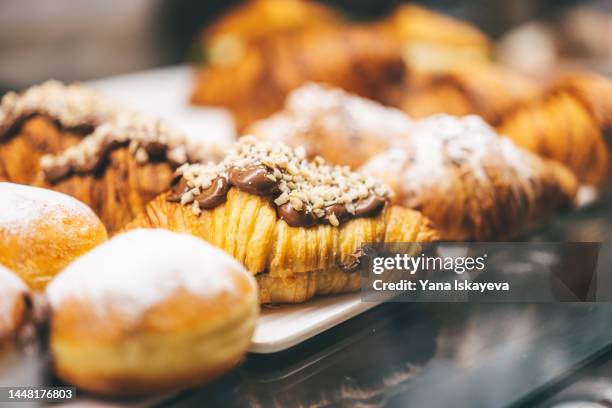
{"x":164,"y":92}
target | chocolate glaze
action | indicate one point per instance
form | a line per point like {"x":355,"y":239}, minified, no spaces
{"x":178,"y":187}
{"x":214,"y":195}
{"x":253,"y":179}
{"x":369,"y":206}
{"x":296,"y":218}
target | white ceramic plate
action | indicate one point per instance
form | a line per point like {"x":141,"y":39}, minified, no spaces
{"x":164,"y":92}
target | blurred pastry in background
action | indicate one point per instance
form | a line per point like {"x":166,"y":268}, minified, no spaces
{"x":578,"y":38}
{"x":425,"y":31}
{"x":46,"y":118}
{"x":473,"y":184}
{"x":342,"y":128}
{"x":572,"y":123}
{"x":485,"y":89}
{"x":73,"y":139}
{"x":42,"y":231}
{"x":224,"y":42}
{"x":14,"y":304}
{"x":297,"y":225}
{"x":354,"y":58}
{"x":150,"y":311}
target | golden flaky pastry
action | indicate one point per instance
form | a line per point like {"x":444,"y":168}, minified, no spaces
{"x":342,"y":128}
{"x":297,"y":225}
{"x":472,"y":183}
{"x":571,"y":123}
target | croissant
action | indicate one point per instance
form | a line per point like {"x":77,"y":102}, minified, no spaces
{"x":331,"y":123}
{"x":473,"y":184}
{"x":296,"y":225}
{"x":114,"y":160}
{"x":357,"y":59}
{"x":484,"y":89}
{"x":571,"y":122}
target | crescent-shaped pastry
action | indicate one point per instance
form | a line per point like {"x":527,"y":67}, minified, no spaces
{"x":344,"y":129}
{"x":297,"y":225}
{"x":42,"y":231}
{"x":472,"y":183}
{"x":150,"y":311}
{"x":571,"y":123}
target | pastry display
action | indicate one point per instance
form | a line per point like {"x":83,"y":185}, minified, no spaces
{"x":46,"y":118}
{"x":42,"y":231}
{"x":150,"y":311}
{"x":72,"y":139}
{"x":472,"y":183}
{"x":353,"y":58}
{"x":296,"y":224}
{"x":572,"y":123}
{"x":14,"y":303}
{"x":484,"y":89}
{"x":342,"y":128}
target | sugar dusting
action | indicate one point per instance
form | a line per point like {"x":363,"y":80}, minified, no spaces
{"x":11,"y":288}
{"x":21,"y":207}
{"x":136,"y":270}
{"x":441,"y":144}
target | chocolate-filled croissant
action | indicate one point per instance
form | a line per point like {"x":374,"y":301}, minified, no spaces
{"x":357,"y":59}
{"x":72,"y":139}
{"x":297,"y":225}
{"x":342,"y":128}
{"x":472,"y":183}
{"x":572,"y":123}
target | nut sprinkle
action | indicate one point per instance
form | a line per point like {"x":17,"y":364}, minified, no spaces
{"x":304,"y":192}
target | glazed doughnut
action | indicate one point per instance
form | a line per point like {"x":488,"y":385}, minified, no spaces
{"x":14,"y":303}
{"x":42,"y":231}
{"x":150,"y":311}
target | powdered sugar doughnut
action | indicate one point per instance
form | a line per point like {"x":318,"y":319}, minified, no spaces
{"x":150,"y":310}
{"x":41,"y":231}
{"x":14,"y":300}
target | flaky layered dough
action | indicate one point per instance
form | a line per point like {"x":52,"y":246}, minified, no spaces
{"x":570,"y":123}
{"x":119,"y":190}
{"x":353,"y":58}
{"x":291,"y":264}
{"x":20,"y":153}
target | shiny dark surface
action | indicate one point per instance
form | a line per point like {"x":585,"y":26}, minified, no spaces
{"x":431,"y":354}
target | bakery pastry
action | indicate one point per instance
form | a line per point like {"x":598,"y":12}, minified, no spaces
{"x":150,"y":311}
{"x":14,"y":304}
{"x":472,"y":183}
{"x":571,"y":122}
{"x":225,"y":41}
{"x":72,"y":139}
{"x":343,"y":128}
{"x":121,"y":165}
{"x":46,"y":118}
{"x":41,"y":231}
{"x":484,"y":89}
{"x":297,"y":225}
{"x":353,"y":58}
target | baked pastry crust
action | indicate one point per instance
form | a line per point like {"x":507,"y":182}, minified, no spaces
{"x":329,"y":122}
{"x":185,"y":315}
{"x":42,"y":231}
{"x":571,"y":122}
{"x":292,"y":261}
{"x":473,"y":184}
{"x":14,"y":304}
{"x":357,"y":59}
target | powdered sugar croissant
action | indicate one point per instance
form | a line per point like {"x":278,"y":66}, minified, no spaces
{"x":297,"y":226}
{"x":472,"y":183}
